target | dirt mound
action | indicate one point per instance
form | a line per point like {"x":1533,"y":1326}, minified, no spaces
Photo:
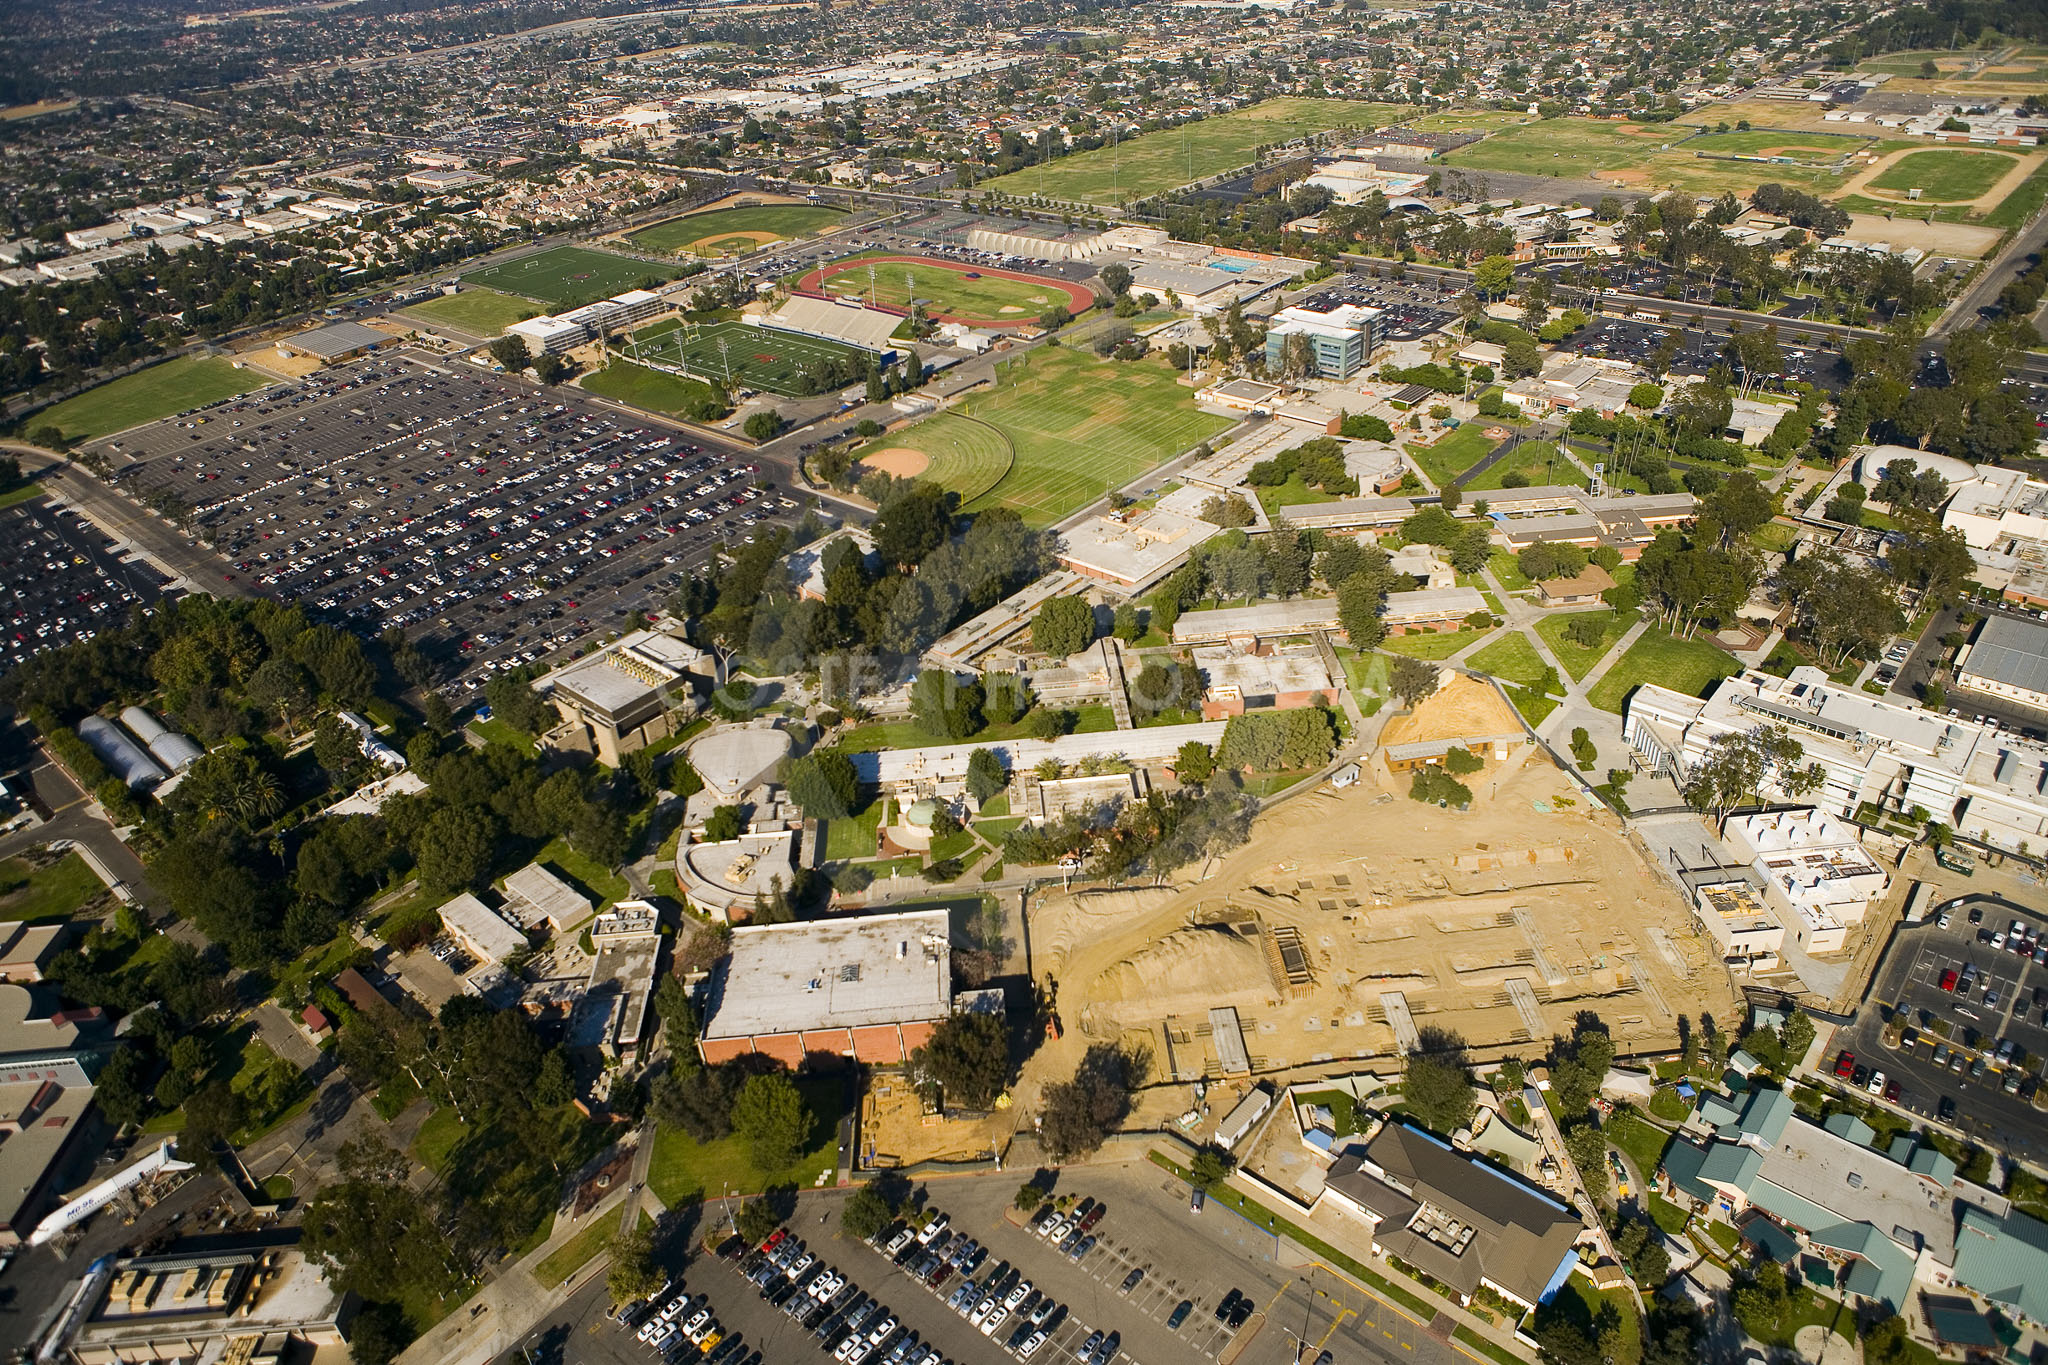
{"x":1064,"y":922}
{"x":1190,"y":971}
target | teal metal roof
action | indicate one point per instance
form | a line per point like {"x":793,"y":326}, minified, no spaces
{"x":2004,"y":1259}
{"x":1682,"y":1162}
{"x":1732,"y":1166}
{"x":1882,"y":1270}
{"x":1765,"y":1116}
{"x":1773,"y":1241}
{"x":1930,"y":1162}
{"x":1850,"y":1127}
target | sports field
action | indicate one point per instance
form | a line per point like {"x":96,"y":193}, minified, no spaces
{"x":754,"y":357}
{"x":1156,"y":162}
{"x":1949,"y":175}
{"x":1645,"y":155}
{"x":734,"y":232}
{"x":951,"y":292}
{"x":159,"y":391}
{"x":657,"y":391}
{"x":1059,"y":430}
{"x":569,"y":276}
{"x":1815,"y":148}
{"x":479,"y":312}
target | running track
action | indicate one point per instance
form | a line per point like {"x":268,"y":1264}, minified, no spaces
{"x":1080,"y":297}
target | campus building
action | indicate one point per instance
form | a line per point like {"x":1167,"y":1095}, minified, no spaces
{"x":2007,"y":660}
{"x":871,"y":987}
{"x":48,"y":1063}
{"x":259,"y":1305}
{"x":1343,"y":338}
{"x":1816,"y":876}
{"x":1878,"y":758}
{"x":552,"y":335}
{"x":1455,"y":1217}
{"x":621,"y":698}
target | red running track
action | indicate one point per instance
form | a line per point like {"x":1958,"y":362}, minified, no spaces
{"x":1079,"y":297}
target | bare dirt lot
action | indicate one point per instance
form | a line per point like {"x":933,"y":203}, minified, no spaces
{"x":1943,"y":239}
{"x":1500,"y":923}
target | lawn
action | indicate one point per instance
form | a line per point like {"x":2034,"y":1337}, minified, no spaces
{"x":606,"y":885}
{"x":1657,"y":656}
{"x":1578,"y":148}
{"x":685,"y":1170}
{"x":1095,"y":718}
{"x":174,"y":386}
{"x":1774,"y":536}
{"x":2019,"y":206}
{"x":1156,"y":162}
{"x":1343,"y":1109}
{"x":656,"y":391}
{"x":1513,"y":658}
{"x":1454,"y":453}
{"x":1667,"y":1215}
{"x":1367,"y":675}
{"x":737,"y":353}
{"x":948,"y":290}
{"x":1640,"y":1140}
{"x":1949,"y":175}
{"x":1533,"y":705}
{"x":1577,"y":659}
{"x":1507,"y":571}
{"x":495,"y":731}
{"x":1431,"y":645}
{"x":854,"y":836}
{"x":437,"y":1139}
{"x":1294,"y":493}
{"x":572,"y":1255}
{"x":736,"y":231}
{"x":568,"y":276}
{"x":1537,"y":461}
{"x":1078,"y":427}
{"x":1818,"y":149}
{"x":54,"y":892}
{"x":479,"y":312}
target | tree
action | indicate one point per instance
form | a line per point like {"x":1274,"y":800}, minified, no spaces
{"x":551,"y":369}
{"x":336,"y":748}
{"x":1231,"y":511}
{"x":769,"y":1115}
{"x":1076,"y":1115}
{"x":1412,"y":680}
{"x":1492,"y":277}
{"x":1125,"y":623}
{"x":1210,"y":1168}
{"x":1029,"y":1197}
{"x":1117,"y":277}
{"x":455,"y":847}
{"x":824,"y":783}
{"x":372,"y":1232}
{"x":969,"y":1056}
{"x":865,"y":1212}
{"x":985,"y":775}
{"x":1646,"y":396}
{"x":633,"y":1274}
{"x":765,"y":425}
{"x":1195,"y":763}
{"x":1063,"y":627}
{"x":756,"y":1221}
{"x":511,"y":352}
{"x":912,"y":524}
{"x":1438,"y":1090}
{"x":944,"y":707}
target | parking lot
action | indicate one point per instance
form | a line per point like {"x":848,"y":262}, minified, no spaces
{"x":495,"y":521}
{"x":65,"y":579}
{"x":2004,"y":1001}
{"x":1409,"y":311}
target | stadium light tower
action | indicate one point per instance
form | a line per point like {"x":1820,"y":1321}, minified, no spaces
{"x":725,"y":354}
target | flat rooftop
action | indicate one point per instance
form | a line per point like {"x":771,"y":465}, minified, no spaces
{"x":1136,"y":548}
{"x":2009,"y":652}
{"x":337,"y":339}
{"x":844,"y":973}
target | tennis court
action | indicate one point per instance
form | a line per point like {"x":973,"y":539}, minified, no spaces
{"x":738,"y":353}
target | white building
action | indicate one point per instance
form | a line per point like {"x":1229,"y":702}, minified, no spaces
{"x":1896,"y":758}
{"x":2008,"y":660}
{"x":1815,"y":874}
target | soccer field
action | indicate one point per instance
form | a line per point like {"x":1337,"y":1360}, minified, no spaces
{"x":569,"y":276}
{"x":1156,"y":162}
{"x":1074,"y":428}
{"x":159,"y":391}
{"x":479,"y":312}
{"x":1816,"y":149}
{"x":734,"y":232}
{"x":1947,"y":176}
{"x":951,"y":292}
{"x":755,"y":357}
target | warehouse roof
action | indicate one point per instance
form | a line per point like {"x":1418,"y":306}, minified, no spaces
{"x":840,"y":973}
{"x":337,"y":339}
{"x":2013,"y":653}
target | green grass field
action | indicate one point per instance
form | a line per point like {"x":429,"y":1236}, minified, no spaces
{"x":1513,"y":659}
{"x":1453,"y":453}
{"x":685,"y":1171}
{"x":1468,"y":121}
{"x":1637,"y":154}
{"x":146,"y":395}
{"x":736,"y":231}
{"x":1950,"y":175}
{"x":1156,"y":162}
{"x":1818,"y":148}
{"x":1432,"y":645}
{"x":754,"y":357}
{"x":55,"y":892}
{"x":568,"y":276}
{"x":945,"y":290}
{"x":967,"y":454}
{"x":1689,"y":666}
{"x":479,"y":312}
{"x":1538,"y":461}
{"x":1079,"y":426}
{"x":2016,"y":208}
{"x":655,"y":390}
{"x":1578,"y":660}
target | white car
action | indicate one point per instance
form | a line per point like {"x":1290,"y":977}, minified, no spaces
{"x":847,"y":1346}
{"x":994,"y":1320}
{"x":1031,"y":1345}
{"x":982,"y":1310}
{"x":932,"y":1230}
{"x":1017,"y":1295}
{"x":1876,"y":1085}
{"x":881,"y":1333}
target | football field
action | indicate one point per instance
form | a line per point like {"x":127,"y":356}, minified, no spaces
{"x":569,"y":276}
{"x":1059,"y":429}
{"x":745,"y":355}
{"x":951,"y":291}
{"x":736,"y":231}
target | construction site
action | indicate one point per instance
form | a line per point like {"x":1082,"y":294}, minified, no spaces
{"x":1357,"y":919}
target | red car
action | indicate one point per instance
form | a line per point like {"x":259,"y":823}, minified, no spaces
{"x":1948,"y":979}
{"x":1845,"y":1065}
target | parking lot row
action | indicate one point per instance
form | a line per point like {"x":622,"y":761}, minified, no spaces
{"x":65,"y":580}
